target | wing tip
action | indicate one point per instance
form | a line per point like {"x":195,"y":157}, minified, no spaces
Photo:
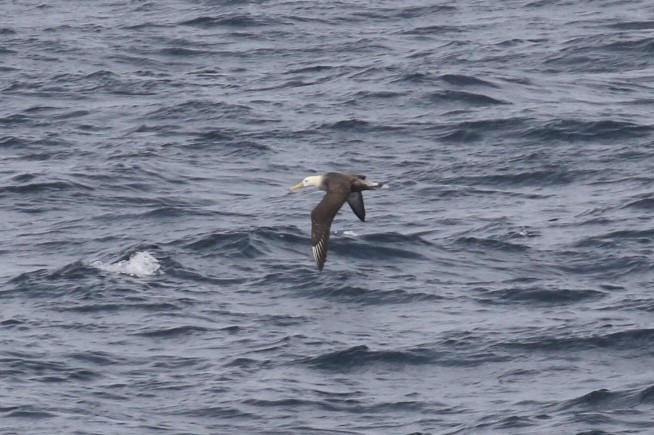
{"x":319,"y":255}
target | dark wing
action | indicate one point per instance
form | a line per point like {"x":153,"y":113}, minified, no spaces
{"x":355,"y":199}
{"x":321,"y":222}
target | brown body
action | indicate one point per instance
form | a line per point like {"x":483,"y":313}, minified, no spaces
{"x":340,"y":188}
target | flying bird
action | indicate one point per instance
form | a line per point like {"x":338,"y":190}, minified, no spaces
{"x":340,"y":188}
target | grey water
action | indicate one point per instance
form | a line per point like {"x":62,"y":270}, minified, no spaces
{"x":156,"y":275}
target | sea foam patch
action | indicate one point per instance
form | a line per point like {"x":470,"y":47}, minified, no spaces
{"x":139,"y":264}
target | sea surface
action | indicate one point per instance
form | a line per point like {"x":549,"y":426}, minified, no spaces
{"x":156,"y":275}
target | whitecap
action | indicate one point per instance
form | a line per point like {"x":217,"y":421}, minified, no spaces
{"x":140,"y":264}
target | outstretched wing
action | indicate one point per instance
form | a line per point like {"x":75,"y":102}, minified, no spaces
{"x":355,"y":199}
{"x":321,"y":222}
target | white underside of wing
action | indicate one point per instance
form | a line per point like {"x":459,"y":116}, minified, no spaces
{"x":319,"y":252}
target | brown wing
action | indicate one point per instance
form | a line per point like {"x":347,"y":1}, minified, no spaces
{"x":321,"y":222}
{"x":355,"y":199}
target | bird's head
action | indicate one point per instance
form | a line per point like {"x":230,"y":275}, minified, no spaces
{"x":313,"y":180}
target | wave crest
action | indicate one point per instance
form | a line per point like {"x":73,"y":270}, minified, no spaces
{"x":140,"y":264}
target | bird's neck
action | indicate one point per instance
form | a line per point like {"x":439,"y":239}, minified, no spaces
{"x":318,"y":181}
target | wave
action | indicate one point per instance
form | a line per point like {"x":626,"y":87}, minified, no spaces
{"x":27,"y":412}
{"x":72,"y":284}
{"x":30,"y":280}
{"x":359,"y":357}
{"x":632,"y":25}
{"x":464,"y":98}
{"x":630,"y":341}
{"x":490,"y":243}
{"x":616,"y":238}
{"x":184,"y":52}
{"x":234,"y":20}
{"x":404,"y":11}
{"x":520,"y":128}
{"x":350,"y":293}
{"x":139,"y":264}
{"x":535,"y":296}
{"x":286,"y":241}
{"x":472,"y":131}
{"x":198,"y":109}
{"x":604,"y":265}
{"x":337,"y":404}
{"x":100,"y":81}
{"x":11,"y":142}
{"x":37,"y":367}
{"x":171,"y":211}
{"x":220,"y":143}
{"x":378,"y":247}
{"x":603,"y":53}
{"x":361,"y":95}
{"x":580,"y":130}
{"x":436,"y":29}
{"x":607,"y":400}
{"x":173,"y":332}
{"x":121,"y":307}
{"x":465,"y":80}
{"x":43,"y":187}
{"x":599,"y":399}
{"x":355,"y":125}
{"x":247,"y":243}
{"x":363,"y":358}
{"x":645,"y":202}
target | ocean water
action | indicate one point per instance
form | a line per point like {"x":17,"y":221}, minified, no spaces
{"x":156,"y":275}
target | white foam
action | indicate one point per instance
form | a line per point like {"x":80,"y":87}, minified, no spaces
{"x":350,"y":233}
{"x":139,"y":264}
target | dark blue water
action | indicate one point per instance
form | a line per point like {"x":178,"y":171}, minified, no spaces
{"x":157,"y":277}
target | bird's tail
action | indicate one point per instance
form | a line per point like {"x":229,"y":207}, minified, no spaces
{"x":360,"y":185}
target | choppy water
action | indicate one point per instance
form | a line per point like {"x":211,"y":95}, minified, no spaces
{"x":156,"y":276}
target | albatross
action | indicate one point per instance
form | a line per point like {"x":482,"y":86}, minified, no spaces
{"x":340,"y":188}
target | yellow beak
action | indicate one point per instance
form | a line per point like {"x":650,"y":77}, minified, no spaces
{"x":296,"y":187}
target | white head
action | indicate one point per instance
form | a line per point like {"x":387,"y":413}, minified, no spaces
{"x":313,"y":180}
